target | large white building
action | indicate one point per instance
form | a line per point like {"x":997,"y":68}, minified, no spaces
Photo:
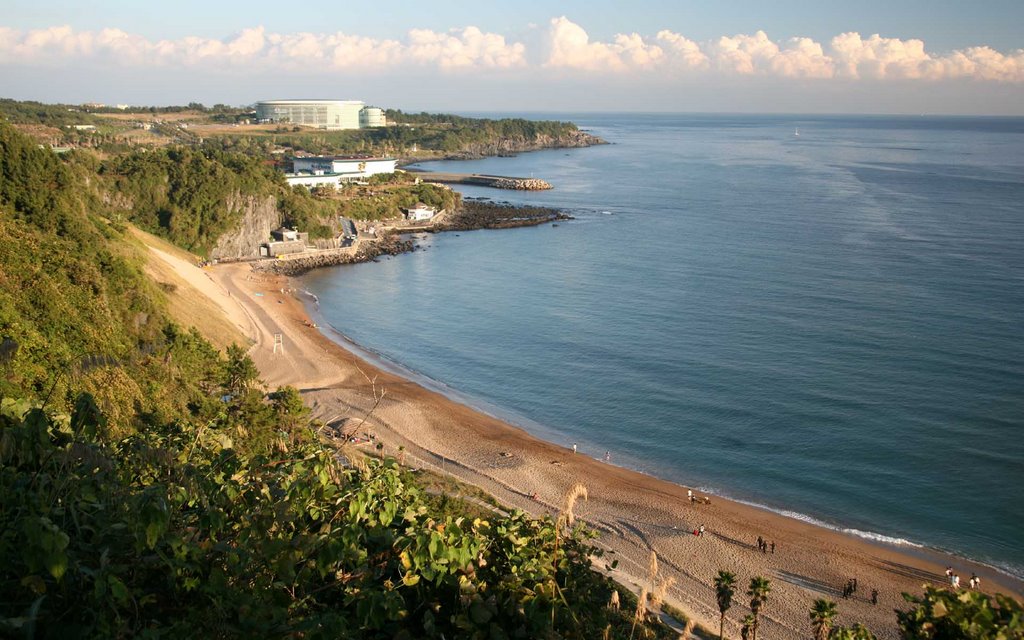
{"x":323,"y":114}
{"x":313,"y":171}
{"x":372,"y":117}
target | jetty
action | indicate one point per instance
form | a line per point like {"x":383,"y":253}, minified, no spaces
{"x":484,"y":180}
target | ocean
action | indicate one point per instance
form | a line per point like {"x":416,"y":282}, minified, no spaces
{"x":828,"y":325}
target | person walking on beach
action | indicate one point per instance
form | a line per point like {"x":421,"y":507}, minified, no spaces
{"x":846,"y":590}
{"x":701,"y":529}
{"x":972,"y":583}
{"x":956,"y":581}
{"x":949,"y":574}
{"x":574,"y":447}
{"x":977,"y":582}
{"x":773,"y":547}
{"x":607,"y":456}
{"x":874,"y":596}
{"x":760,"y":542}
{"x":854,"y":583}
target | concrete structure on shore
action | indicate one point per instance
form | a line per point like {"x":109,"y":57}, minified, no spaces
{"x":420,"y":211}
{"x":312,"y":171}
{"x":322,"y":114}
{"x":285,"y":241}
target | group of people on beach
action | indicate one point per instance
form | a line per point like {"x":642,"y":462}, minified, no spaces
{"x":697,"y":499}
{"x":763,"y":545}
{"x":851,"y":588}
{"x":954,"y":579}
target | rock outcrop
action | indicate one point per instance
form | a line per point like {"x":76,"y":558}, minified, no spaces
{"x":259,"y":216}
{"x":522,"y":184}
{"x":511,"y":146}
{"x":478,"y":214}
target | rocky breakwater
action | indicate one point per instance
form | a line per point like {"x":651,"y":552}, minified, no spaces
{"x":367,"y":250}
{"x":522,"y":184}
{"x":480,"y":214}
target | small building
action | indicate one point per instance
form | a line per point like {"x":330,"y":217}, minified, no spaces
{"x":420,"y":211}
{"x":284,"y":234}
{"x":284,"y":241}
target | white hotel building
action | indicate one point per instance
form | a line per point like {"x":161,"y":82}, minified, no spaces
{"x":312,"y":171}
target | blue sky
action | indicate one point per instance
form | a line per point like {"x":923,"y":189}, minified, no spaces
{"x":653,"y":55}
{"x":944,"y":24}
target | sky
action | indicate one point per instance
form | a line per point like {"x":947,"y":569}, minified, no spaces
{"x":767,"y":56}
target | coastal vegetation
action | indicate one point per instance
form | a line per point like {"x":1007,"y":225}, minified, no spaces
{"x":150,"y":485}
{"x":192,"y":197}
{"x":217,"y":128}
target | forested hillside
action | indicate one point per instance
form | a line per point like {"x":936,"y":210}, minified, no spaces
{"x":149,"y":486}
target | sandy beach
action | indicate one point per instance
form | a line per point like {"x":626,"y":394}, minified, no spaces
{"x":634,"y":513}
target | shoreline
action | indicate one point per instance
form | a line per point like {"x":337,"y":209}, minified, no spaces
{"x":633,"y":512}
{"x":539,"y":431}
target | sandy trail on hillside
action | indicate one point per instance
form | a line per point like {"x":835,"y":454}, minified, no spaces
{"x":633,"y":512}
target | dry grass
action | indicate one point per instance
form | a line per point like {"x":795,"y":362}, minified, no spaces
{"x":186,"y":306}
{"x":146,"y":116}
{"x":569,"y":511}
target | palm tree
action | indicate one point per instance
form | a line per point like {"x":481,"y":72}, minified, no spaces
{"x":856,"y":632}
{"x":724,"y":583}
{"x":823,"y":612}
{"x":749,"y":625}
{"x":759,"y":589}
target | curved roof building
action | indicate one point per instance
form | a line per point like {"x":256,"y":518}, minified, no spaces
{"x":323,"y":114}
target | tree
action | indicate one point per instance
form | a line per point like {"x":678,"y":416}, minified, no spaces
{"x":759,"y":589}
{"x":725,"y":583}
{"x":240,"y":371}
{"x":289,"y":409}
{"x":748,"y":628}
{"x":823,"y":612}
{"x":856,"y":632}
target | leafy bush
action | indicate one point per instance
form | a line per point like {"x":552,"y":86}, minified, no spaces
{"x":969,"y":615}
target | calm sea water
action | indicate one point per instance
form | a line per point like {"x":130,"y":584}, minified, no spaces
{"x":828,"y":324}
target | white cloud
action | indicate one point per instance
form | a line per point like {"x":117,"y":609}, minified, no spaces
{"x":468,"y":48}
{"x":569,"y":48}
{"x":682,"y":52}
{"x":882,"y":58}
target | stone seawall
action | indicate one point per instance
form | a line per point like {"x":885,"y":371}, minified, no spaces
{"x":368,"y":250}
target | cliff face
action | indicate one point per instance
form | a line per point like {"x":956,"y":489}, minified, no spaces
{"x":259,"y":217}
{"x":506,"y":146}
